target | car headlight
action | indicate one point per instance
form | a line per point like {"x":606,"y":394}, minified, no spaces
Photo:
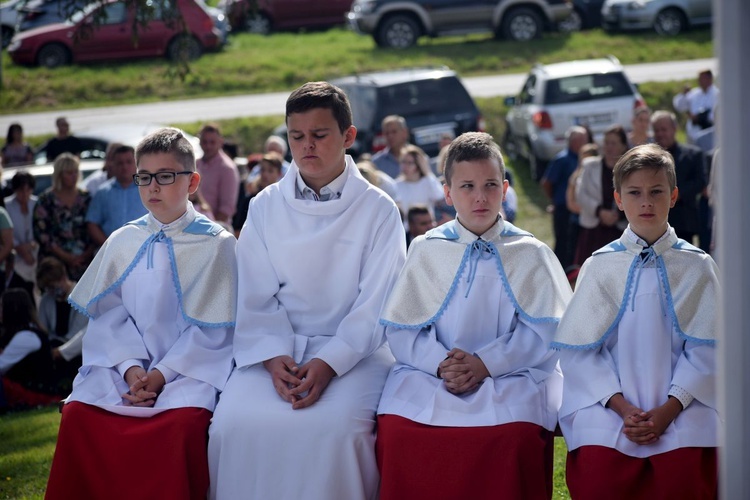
{"x":363,"y":7}
{"x":637,"y":5}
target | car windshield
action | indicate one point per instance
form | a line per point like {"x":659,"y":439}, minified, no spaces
{"x":586,"y":88}
{"x":407,"y":99}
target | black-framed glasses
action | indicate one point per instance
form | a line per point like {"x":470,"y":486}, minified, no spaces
{"x":162,"y":178}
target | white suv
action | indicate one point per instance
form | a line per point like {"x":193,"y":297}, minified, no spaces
{"x":595,"y":93}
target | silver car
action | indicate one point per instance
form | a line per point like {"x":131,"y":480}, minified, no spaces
{"x":594,"y":93}
{"x":666,"y":17}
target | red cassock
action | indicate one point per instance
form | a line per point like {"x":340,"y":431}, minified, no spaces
{"x":595,"y":472}
{"x":101,"y":454}
{"x":509,"y":461}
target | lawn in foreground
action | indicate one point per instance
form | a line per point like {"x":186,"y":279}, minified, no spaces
{"x":27,"y":443}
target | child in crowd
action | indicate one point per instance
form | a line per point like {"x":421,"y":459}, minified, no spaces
{"x":416,"y":185}
{"x":161,"y":297}
{"x":639,"y":402}
{"x":317,"y":257}
{"x":470,"y":407}
{"x":25,"y":360}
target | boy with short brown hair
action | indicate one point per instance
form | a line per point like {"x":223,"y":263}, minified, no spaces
{"x":160,"y":296}
{"x":470,"y":407}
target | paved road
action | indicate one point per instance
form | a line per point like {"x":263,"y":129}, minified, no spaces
{"x":218,"y":108}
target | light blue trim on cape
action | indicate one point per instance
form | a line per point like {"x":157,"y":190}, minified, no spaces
{"x":448,"y":232}
{"x":201,"y":225}
{"x":617,"y":246}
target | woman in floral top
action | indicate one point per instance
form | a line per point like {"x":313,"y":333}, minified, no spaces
{"x":60,"y":218}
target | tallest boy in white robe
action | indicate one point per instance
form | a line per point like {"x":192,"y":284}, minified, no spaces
{"x":316,"y":259}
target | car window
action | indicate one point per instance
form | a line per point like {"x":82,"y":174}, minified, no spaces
{"x":114,"y":13}
{"x":363,"y":104}
{"x":528,"y":91}
{"x":586,"y":88}
{"x":426,"y":96}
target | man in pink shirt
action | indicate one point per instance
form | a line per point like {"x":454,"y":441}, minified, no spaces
{"x":220,"y":179}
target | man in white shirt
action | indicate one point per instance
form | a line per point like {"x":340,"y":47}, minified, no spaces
{"x":699,"y":104}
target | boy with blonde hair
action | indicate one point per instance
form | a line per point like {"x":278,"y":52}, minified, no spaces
{"x":639,"y":400}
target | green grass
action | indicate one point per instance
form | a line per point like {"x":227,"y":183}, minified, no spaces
{"x":27,"y":443}
{"x":254,"y":63}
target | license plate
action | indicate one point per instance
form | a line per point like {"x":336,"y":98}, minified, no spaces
{"x":592,"y":120}
{"x":432,"y":133}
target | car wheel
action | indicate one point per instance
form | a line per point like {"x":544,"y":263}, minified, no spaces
{"x":572,"y":23}
{"x":537,"y":166}
{"x":53,"y":55}
{"x":509,"y":145}
{"x":398,"y":32}
{"x":7,"y":33}
{"x":259,"y":24}
{"x":522,"y":24}
{"x":184,"y":48}
{"x":669,"y":22}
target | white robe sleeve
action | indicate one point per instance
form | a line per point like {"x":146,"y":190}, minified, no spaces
{"x":263,"y":328}
{"x":523,"y":347}
{"x":112,"y":338}
{"x":695,"y":372}
{"x":590,"y":375}
{"x":204,"y":354}
{"x":418,"y":348}
{"x":359,"y":334}
{"x":21,"y":345}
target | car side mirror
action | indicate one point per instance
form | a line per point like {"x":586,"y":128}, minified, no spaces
{"x":510,"y":101}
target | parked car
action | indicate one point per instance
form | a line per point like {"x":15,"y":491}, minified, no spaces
{"x":595,"y":93}
{"x":94,"y":141}
{"x":432,"y":100}
{"x":36,"y":13}
{"x":586,"y":14}
{"x":8,"y":19}
{"x":666,"y":17}
{"x":80,"y":39}
{"x":399,"y":24}
{"x":43,"y":173}
{"x":265,"y":16}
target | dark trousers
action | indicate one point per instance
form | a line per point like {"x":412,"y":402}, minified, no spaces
{"x":563,"y":238}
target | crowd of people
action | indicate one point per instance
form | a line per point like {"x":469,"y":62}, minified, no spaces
{"x":311,"y":356}
{"x":578,"y":181}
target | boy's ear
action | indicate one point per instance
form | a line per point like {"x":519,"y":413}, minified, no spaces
{"x":673,"y":197}
{"x":506,"y":185}
{"x":618,"y":200}
{"x":349,"y":135}
{"x":195,"y":181}
{"x":447,"y":192}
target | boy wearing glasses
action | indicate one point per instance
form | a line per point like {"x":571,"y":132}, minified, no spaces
{"x":160,"y":296}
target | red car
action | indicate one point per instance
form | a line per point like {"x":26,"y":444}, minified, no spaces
{"x":80,"y":39}
{"x":264,"y":16}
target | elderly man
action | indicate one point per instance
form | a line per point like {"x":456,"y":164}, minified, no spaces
{"x":691,"y":175}
{"x":117,"y":201}
{"x":396,"y":135}
{"x":555,"y":184}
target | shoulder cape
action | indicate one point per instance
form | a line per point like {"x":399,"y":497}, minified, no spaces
{"x":689,"y":281}
{"x":529,"y":271}
{"x":204,"y":267}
